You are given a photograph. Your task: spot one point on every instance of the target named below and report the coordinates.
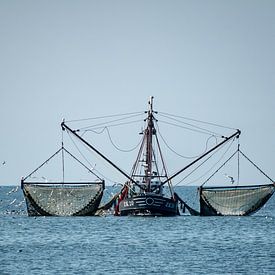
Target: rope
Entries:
(105, 123)
(182, 156)
(220, 167)
(257, 167)
(79, 149)
(201, 130)
(89, 161)
(190, 129)
(42, 164)
(102, 127)
(119, 149)
(238, 161)
(200, 121)
(90, 170)
(111, 140)
(63, 161)
(94, 118)
(164, 168)
(204, 162)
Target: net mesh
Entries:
(237, 201)
(62, 200)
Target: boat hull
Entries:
(149, 205)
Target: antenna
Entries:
(151, 104)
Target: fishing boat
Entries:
(148, 188)
(143, 194)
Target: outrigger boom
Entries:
(236, 134)
(64, 126)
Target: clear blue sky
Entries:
(210, 60)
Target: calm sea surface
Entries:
(135, 245)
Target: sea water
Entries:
(134, 245)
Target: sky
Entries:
(209, 60)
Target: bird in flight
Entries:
(231, 178)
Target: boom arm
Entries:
(64, 126)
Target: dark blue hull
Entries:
(149, 204)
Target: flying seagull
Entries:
(231, 178)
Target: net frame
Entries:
(62, 198)
(243, 202)
(88, 199)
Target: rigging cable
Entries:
(200, 129)
(102, 127)
(45, 162)
(238, 161)
(111, 140)
(135, 166)
(164, 166)
(63, 164)
(200, 121)
(94, 118)
(90, 170)
(186, 157)
(190, 129)
(106, 123)
(204, 162)
(257, 167)
(89, 161)
(220, 168)
(94, 131)
(85, 157)
(122, 150)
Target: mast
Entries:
(149, 143)
(148, 155)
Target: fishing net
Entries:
(62, 199)
(237, 201)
